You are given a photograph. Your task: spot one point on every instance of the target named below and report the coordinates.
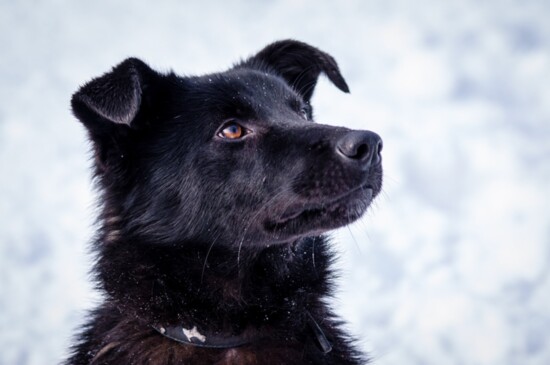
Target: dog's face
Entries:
(232, 157)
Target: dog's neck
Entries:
(216, 287)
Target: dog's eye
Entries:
(232, 130)
(305, 113)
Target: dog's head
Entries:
(232, 157)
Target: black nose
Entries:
(363, 147)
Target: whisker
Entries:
(206, 258)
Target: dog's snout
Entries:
(363, 147)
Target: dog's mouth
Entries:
(319, 217)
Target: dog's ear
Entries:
(299, 64)
(114, 97)
(109, 106)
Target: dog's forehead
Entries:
(257, 82)
(251, 87)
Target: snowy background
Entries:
(452, 264)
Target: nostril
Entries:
(377, 155)
(353, 150)
(361, 151)
(379, 147)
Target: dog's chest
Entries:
(237, 357)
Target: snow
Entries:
(451, 265)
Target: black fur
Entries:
(221, 234)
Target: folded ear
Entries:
(109, 105)
(299, 64)
(114, 96)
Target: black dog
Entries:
(215, 191)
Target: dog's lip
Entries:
(295, 212)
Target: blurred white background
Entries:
(451, 266)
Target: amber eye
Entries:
(232, 130)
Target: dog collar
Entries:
(192, 336)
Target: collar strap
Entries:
(194, 337)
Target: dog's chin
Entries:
(308, 219)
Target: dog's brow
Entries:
(295, 103)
